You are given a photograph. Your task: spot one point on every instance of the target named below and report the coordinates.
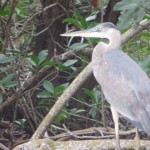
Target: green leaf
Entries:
(145, 62)
(80, 98)
(78, 46)
(3, 69)
(93, 112)
(21, 122)
(147, 4)
(126, 20)
(44, 94)
(61, 116)
(97, 94)
(5, 11)
(7, 79)
(7, 59)
(73, 110)
(81, 20)
(147, 16)
(42, 56)
(18, 122)
(125, 5)
(132, 12)
(34, 60)
(48, 62)
(48, 86)
(72, 21)
(76, 111)
(10, 84)
(15, 51)
(80, 110)
(146, 35)
(17, 10)
(78, 16)
(89, 93)
(139, 15)
(2, 56)
(59, 89)
(70, 62)
(60, 66)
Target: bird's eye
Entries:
(99, 29)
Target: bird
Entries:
(125, 85)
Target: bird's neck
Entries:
(114, 41)
(111, 41)
(103, 47)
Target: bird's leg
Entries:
(137, 139)
(116, 121)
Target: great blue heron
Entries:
(125, 85)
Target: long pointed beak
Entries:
(83, 33)
(86, 33)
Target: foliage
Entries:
(40, 59)
(50, 91)
(132, 12)
(78, 46)
(21, 123)
(8, 81)
(95, 96)
(20, 65)
(78, 20)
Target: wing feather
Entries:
(126, 86)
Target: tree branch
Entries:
(47, 144)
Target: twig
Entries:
(7, 26)
(41, 32)
(86, 137)
(3, 147)
(93, 130)
(86, 104)
(70, 54)
(32, 17)
(79, 116)
(58, 128)
(36, 14)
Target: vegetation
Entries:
(37, 64)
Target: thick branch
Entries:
(47, 144)
(131, 32)
(73, 87)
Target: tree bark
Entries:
(51, 19)
(47, 144)
(110, 14)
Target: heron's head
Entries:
(105, 30)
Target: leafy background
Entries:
(37, 65)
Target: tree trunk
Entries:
(51, 19)
(110, 14)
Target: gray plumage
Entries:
(125, 85)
